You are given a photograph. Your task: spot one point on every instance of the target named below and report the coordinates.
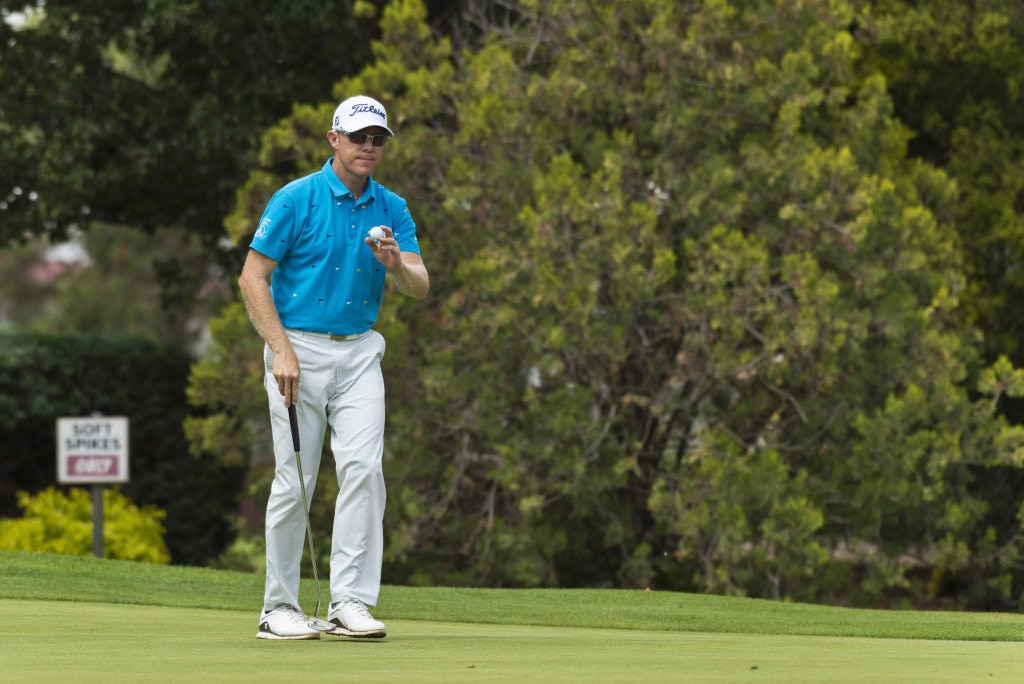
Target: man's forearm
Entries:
(259, 303)
(412, 280)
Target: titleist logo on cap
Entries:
(361, 107)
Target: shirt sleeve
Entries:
(276, 232)
(404, 227)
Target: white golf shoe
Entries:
(351, 618)
(285, 622)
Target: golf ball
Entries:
(376, 233)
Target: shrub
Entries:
(56, 522)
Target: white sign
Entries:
(92, 450)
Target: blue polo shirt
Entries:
(327, 279)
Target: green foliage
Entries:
(55, 522)
(228, 385)
(954, 73)
(955, 76)
(247, 553)
(697, 317)
(145, 114)
(44, 377)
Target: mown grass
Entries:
(76, 619)
(71, 578)
(46, 641)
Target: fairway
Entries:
(88, 642)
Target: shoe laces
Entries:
(357, 605)
(294, 614)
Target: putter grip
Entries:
(293, 419)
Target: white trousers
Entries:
(341, 389)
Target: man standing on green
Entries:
(312, 283)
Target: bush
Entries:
(56, 522)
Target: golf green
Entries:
(90, 642)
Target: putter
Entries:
(314, 622)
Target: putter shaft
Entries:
(315, 622)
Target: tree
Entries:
(954, 73)
(147, 114)
(955, 76)
(695, 319)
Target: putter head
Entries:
(319, 625)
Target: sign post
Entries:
(94, 451)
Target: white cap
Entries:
(359, 112)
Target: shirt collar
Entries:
(339, 189)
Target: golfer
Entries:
(312, 284)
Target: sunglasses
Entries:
(361, 138)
